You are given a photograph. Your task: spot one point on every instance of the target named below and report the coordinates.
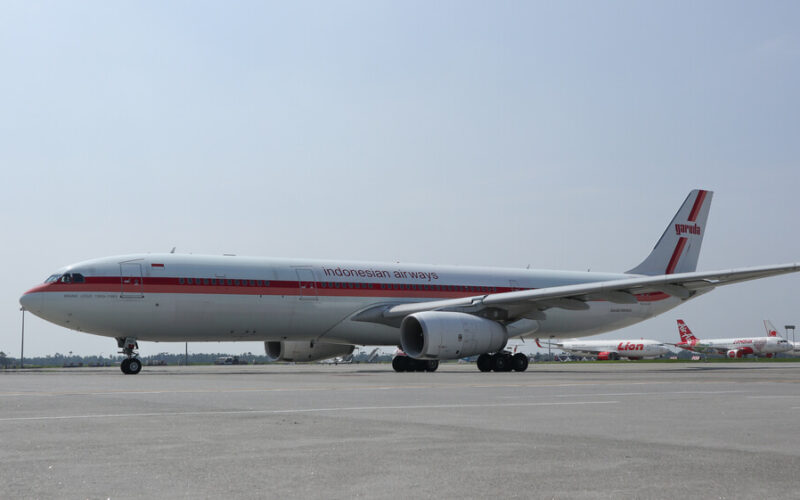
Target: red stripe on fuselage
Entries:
(102, 284)
(698, 203)
(676, 255)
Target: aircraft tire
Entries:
(485, 362)
(135, 366)
(501, 363)
(124, 366)
(400, 363)
(519, 362)
(432, 365)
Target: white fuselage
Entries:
(748, 345)
(170, 297)
(636, 349)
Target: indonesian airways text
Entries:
(380, 273)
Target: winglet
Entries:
(679, 247)
(537, 343)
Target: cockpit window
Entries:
(66, 278)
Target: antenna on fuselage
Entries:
(173, 250)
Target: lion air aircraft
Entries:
(307, 310)
(733, 348)
(611, 349)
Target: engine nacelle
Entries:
(304, 350)
(607, 356)
(735, 353)
(450, 335)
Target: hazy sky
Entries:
(557, 134)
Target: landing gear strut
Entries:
(503, 362)
(131, 365)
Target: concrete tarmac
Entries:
(571, 430)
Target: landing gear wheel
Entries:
(400, 363)
(502, 363)
(130, 365)
(485, 362)
(519, 362)
(135, 366)
(432, 365)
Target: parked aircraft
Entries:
(611, 349)
(313, 309)
(734, 347)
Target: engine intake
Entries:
(303, 350)
(450, 335)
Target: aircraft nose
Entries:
(31, 301)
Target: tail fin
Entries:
(684, 332)
(679, 247)
(771, 331)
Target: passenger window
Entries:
(229, 282)
(180, 281)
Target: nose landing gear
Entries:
(131, 365)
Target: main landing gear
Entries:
(503, 362)
(130, 365)
(407, 364)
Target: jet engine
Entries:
(739, 353)
(606, 356)
(303, 350)
(450, 335)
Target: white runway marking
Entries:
(665, 393)
(308, 410)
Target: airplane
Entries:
(605, 350)
(317, 309)
(773, 332)
(765, 347)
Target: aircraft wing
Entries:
(510, 306)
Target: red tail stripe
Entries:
(698, 203)
(676, 255)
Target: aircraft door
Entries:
(131, 280)
(307, 282)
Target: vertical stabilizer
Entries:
(771, 331)
(679, 247)
(685, 333)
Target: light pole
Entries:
(789, 327)
(187, 354)
(22, 344)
